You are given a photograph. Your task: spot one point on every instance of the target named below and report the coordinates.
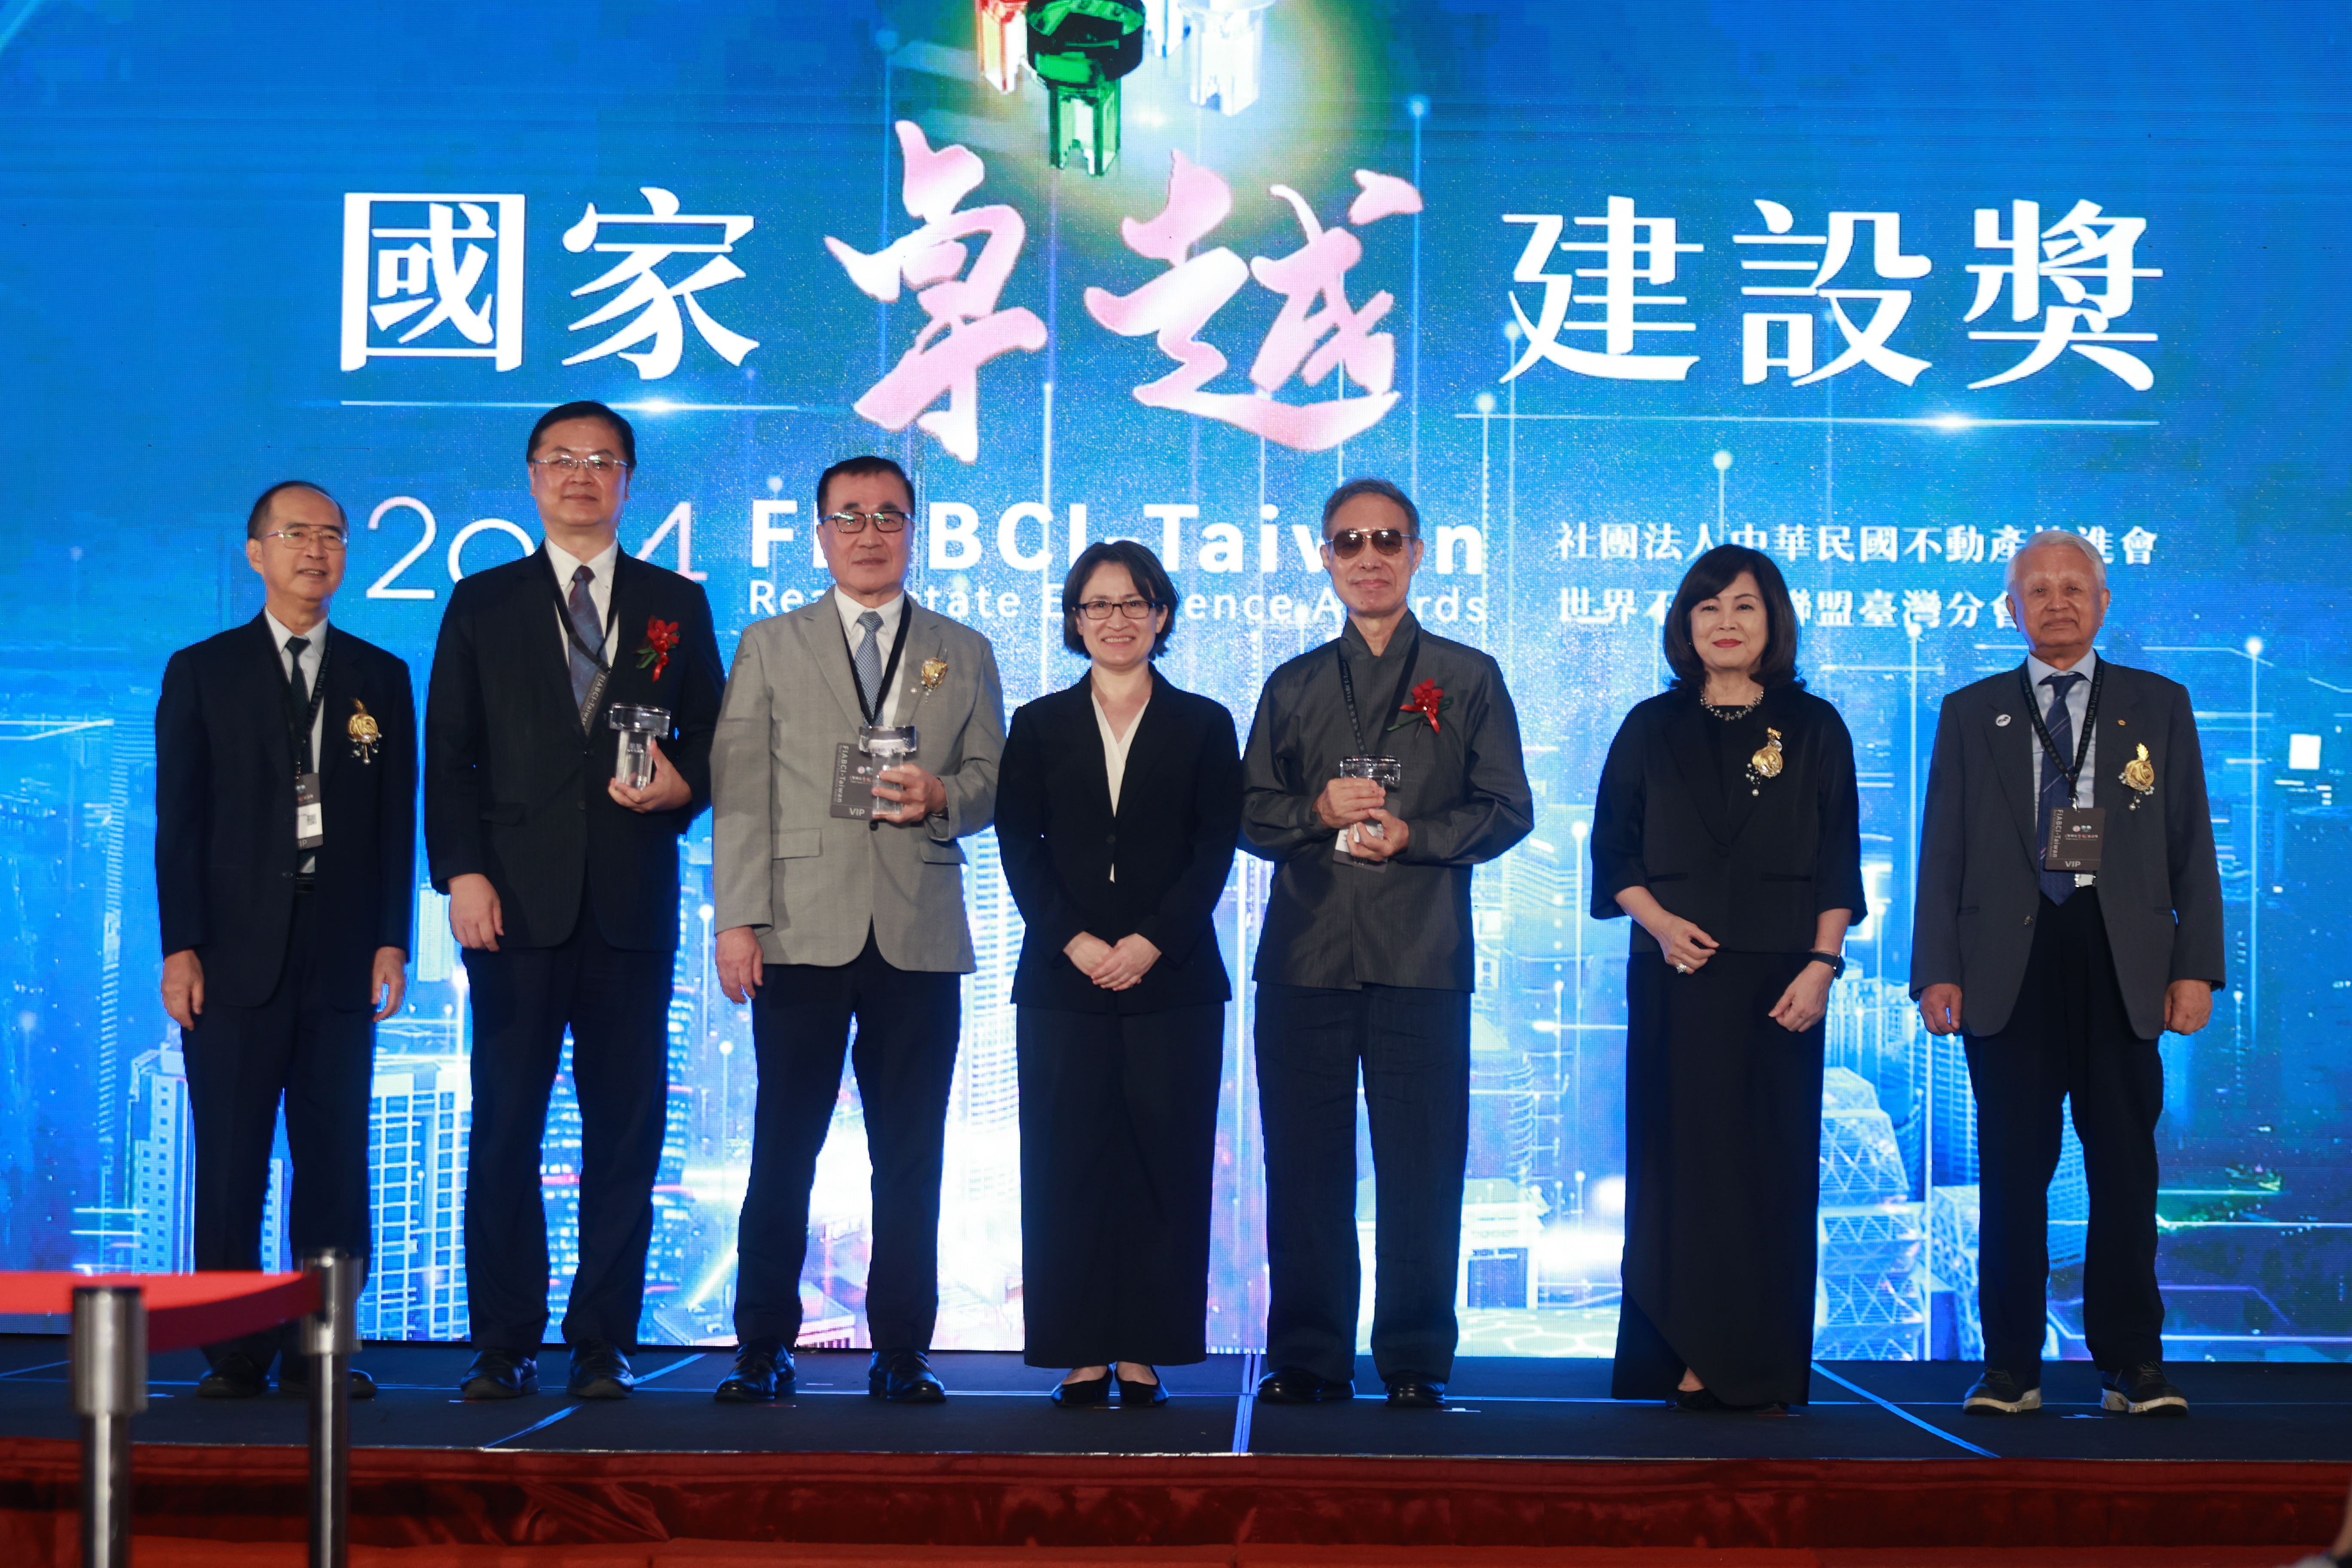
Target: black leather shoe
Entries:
(1088, 1391)
(599, 1371)
(1141, 1396)
(1999, 1392)
(235, 1376)
(500, 1375)
(763, 1371)
(903, 1377)
(1698, 1401)
(294, 1379)
(2138, 1391)
(1416, 1391)
(1296, 1385)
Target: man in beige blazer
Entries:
(841, 896)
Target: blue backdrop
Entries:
(1879, 290)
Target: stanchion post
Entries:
(109, 1386)
(329, 1339)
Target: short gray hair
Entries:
(2057, 536)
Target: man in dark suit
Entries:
(2061, 946)
(1367, 957)
(285, 852)
(563, 888)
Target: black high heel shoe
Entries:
(1139, 1394)
(1092, 1391)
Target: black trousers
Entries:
(1413, 1046)
(2070, 1037)
(240, 1061)
(907, 1022)
(1118, 1136)
(616, 1004)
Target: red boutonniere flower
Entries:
(1428, 700)
(660, 637)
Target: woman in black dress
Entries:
(1118, 806)
(1727, 827)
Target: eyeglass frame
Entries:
(596, 463)
(1146, 608)
(301, 535)
(1371, 536)
(840, 523)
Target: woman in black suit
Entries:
(1727, 827)
(1117, 810)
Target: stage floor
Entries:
(1503, 1409)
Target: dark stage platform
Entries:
(1533, 1453)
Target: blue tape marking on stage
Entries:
(665, 1372)
(1251, 1364)
(539, 1425)
(45, 1366)
(1897, 1410)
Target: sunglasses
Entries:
(1349, 543)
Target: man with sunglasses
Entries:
(840, 895)
(1366, 957)
(285, 847)
(563, 889)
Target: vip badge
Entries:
(365, 733)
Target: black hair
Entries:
(1370, 487)
(584, 410)
(260, 512)
(849, 468)
(1143, 568)
(1709, 575)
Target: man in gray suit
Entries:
(841, 896)
(2061, 942)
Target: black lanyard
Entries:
(302, 737)
(2042, 728)
(1396, 700)
(588, 704)
(871, 712)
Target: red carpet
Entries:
(620, 1511)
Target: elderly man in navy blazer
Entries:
(285, 856)
(2069, 912)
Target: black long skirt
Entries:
(1723, 1134)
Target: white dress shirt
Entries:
(849, 610)
(1115, 748)
(2078, 708)
(599, 592)
(312, 657)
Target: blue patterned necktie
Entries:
(868, 661)
(582, 605)
(2058, 886)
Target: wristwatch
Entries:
(1836, 961)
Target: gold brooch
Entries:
(934, 671)
(1766, 763)
(2139, 774)
(365, 733)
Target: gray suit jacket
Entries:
(809, 882)
(2160, 888)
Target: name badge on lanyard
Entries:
(309, 812)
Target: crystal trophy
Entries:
(633, 766)
(1079, 49)
(1386, 771)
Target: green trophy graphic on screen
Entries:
(1080, 48)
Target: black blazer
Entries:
(1180, 806)
(225, 851)
(513, 788)
(2160, 887)
(1753, 871)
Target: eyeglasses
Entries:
(1349, 543)
(888, 520)
(596, 463)
(301, 536)
(1100, 609)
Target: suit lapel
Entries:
(2121, 730)
(1694, 762)
(925, 641)
(545, 646)
(2010, 746)
(335, 710)
(268, 682)
(821, 639)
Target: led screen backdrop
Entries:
(1877, 290)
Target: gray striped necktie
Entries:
(868, 661)
(2058, 886)
(583, 620)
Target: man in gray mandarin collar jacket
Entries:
(824, 917)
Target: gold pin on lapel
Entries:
(365, 732)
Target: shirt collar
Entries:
(279, 631)
(566, 564)
(2036, 672)
(850, 609)
(1353, 639)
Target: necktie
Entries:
(584, 619)
(2057, 886)
(868, 661)
(297, 703)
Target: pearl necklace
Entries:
(1729, 715)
